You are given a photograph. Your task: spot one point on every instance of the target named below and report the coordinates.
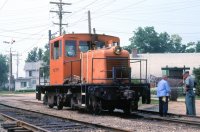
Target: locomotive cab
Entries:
(93, 72)
(66, 53)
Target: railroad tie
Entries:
(9, 125)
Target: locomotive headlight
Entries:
(117, 50)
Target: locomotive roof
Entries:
(77, 34)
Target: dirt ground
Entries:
(174, 107)
(28, 101)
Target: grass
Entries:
(2, 92)
(153, 101)
(196, 97)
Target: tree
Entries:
(148, 40)
(198, 46)
(176, 45)
(164, 41)
(145, 40)
(35, 55)
(46, 54)
(46, 57)
(128, 48)
(3, 70)
(190, 47)
(196, 72)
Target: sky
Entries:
(28, 21)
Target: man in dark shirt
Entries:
(190, 96)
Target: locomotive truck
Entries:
(92, 71)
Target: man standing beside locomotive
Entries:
(163, 92)
(190, 96)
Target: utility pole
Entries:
(17, 65)
(17, 55)
(10, 70)
(89, 23)
(49, 36)
(10, 64)
(60, 13)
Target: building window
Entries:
(23, 84)
(33, 81)
(30, 73)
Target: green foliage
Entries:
(198, 46)
(147, 40)
(176, 46)
(35, 55)
(39, 54)
(45, 59)
(196, 72)
(4, 92)
(25, 91)
(3, 70)
(128, 48)
(46, 54)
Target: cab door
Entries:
(56, 63)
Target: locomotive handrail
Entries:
(43, 75)
(134, 61)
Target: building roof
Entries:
(156, 61)
(32, 65)
(22, 79)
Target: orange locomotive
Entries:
(93, 72)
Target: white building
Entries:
(31, 78)
(156, 61)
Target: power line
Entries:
(130, 5)
(82, 8)
(81, 20)
(31, 27)
(3, 4)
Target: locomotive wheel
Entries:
(111, 109)
(95, 105)
(135, 107)
(59, 103)
(128, 108)
(45, 99)
(72, 104)
(51, 105)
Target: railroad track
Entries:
(33, 121)
(140, 114)
(176, 118)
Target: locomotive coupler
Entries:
(128, 94)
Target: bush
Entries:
(196, 72)
(3, 89)
(25, 91)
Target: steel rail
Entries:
(169, 118)
(75, 120)
(170, 114)
(24, 124)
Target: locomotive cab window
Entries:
(70, 48)
(84, 46)
(55, 50)
(100, 44)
